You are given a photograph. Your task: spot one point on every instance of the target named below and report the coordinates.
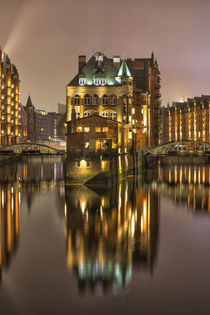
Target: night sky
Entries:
(43, 38)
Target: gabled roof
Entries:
(92, 69)
(124, 71)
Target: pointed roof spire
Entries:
(29, 102)
(124, 71)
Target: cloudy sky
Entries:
(44, 37)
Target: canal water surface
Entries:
(142, 247)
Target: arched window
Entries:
(105, 114)
(86, 99)
(76, 99)
(86, 114)
(110, 114)
(89, 113)
(104, 100)
(113, 100)
(95, 99)
(113, 115)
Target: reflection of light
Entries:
(189, 175)
(19, 197)
(199, 175)
(102, 201)
(203, 175)
(82, 206)
(65, 210)
(195, 176)
(133, 224)
(142, 224)
(169, 176)
(2, 198)
(175, 174)
(12, 204)
(101, 213)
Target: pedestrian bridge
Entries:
(31, 148)
(180, 148)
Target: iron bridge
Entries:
(30, 148)
(180, 148)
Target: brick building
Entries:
(186, 121)
(126, 91)
(9, 101)
(96, 133)
(41, 125)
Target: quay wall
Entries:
(101, 168)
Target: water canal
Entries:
(142, 247)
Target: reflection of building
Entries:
(9, 223)
(9, 101)
(188, 184)
(126, 91)
(110, 234)
(20, 183)
(186, 121)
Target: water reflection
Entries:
(183, 184)
(110, 233)
(9, 223)
(20, 183)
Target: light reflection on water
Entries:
(111, 235)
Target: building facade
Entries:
(186, 121)
(41, 125)
(9, 101)
(126, 91)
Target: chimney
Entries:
(81, 62)
(116, 61)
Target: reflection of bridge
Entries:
(185, 147)
(32, 148)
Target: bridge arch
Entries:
(180, 147)
(30, 147)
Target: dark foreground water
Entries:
(141, 248)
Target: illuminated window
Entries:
(86, 99)
(86, 114)
(105, 129)
(82, 164)
(42, 129)
(99, 81)
(113, 116)
(105, 114)
(77, 100)
(97, 129)
(82, 81)
(86, 129)
(79, 129)
(77, 115)
(104, 100)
